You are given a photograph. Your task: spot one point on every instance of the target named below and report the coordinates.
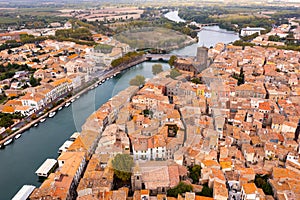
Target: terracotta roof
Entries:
(249, 188)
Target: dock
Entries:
(24, 192)
(46, 168)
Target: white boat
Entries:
(107, 78)
(52, 114)
(111, 76)
(8, 142)
(42, 120)
(36, 124)
(60, 108)
(96, 85)
(78, 97)
(72, 100)
(103, 81)
(67, 104)
(18, 136)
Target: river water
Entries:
(20, 160)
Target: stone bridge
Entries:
(162, 57)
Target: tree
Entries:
(174, 73)
(6, 121)
(274, 38)
(194, 173)
(33, 81)
(179, 189)
(138, 80)
(172, 60)
(262, 182)
(206, 191)
(122, 164)
(157, 68)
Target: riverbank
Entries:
(90, 86)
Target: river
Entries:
(21, 159)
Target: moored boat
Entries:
(18, 136)
(43, 119)
(78, 97)
(52, 114)
(60, 108)
(36, 124)
(67, 104)
(8, 142)
(72, 100)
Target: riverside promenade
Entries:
(108, 74)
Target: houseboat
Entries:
(46, 168)
(24, 192)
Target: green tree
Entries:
(179, 189)
(172, 60)
(262, 182)
(174, 73)
(274, 38)
(194, 173)
(33, 81)
(157, 68)
(6, 121)
(206, 191)
(122, 164)
(196, 81)
(138, 80)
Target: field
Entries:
(152, 37)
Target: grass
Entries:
(233, 17)
(151, 37)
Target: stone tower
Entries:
(136, 178)
(202, 55)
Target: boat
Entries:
(103, 81)
(60, 108)
(36, 124)
(96, 85)
(67, 104)
(52, 114)
(18, 136)
(7, 142)
(72, 100)
(107, 78)
(78, 97)
(111, 76)
(43, 119)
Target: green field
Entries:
(152, 37)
